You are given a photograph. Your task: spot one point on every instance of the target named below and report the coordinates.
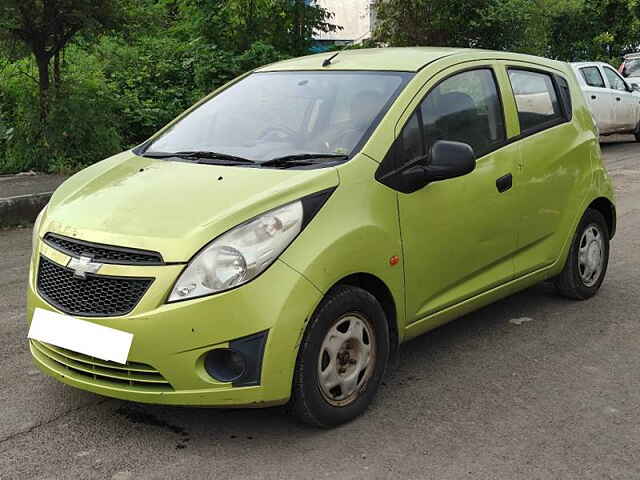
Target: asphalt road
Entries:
(489, 396)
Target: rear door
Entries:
(626, 102)
(553, 155)
(600, 99)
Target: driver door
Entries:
(459, 235)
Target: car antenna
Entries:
(327, 61)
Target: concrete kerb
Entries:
(22, 209)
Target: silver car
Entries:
(614, 102)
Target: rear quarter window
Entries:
(565, 97)
(536, 100)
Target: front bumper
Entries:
(170, 340)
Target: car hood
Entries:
(168, 206)
(633, 79)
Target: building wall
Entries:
(355, 16)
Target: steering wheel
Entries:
(288, 132)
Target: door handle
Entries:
(618, 99)
(504, 183)
(593, 97)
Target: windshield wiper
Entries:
(301, 159)
(200, 156)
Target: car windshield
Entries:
(632, 67)
(278, 114)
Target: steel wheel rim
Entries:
(591, 255)
(346, 360)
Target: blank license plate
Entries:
(80, 336)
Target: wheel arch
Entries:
(376, 287)
(608, 211)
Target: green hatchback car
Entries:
(278, 241)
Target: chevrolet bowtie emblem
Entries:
(83, 265)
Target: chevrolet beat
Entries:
(277, 242)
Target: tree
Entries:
(563, 29)
(496, 24)
(45, 27)
(235, 25)
(301, 20)
(593, 29)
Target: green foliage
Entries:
(80, 129)
(127, 67)
(235, 25)
(112, 72)
(151, 82)
(215, 67)
(567, 30)
(594, 29)
(496, 24)
(507, 24)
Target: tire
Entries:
(334, 348)
(579, 279)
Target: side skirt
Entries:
(474, 303)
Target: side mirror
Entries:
(450, 160)
(635, 87)
(447, 160)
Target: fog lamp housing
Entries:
(240, 364)
(225, 365)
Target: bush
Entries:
(111, 97)
(81, 126)
(152, 82)
(215, 67)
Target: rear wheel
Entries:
(588, 258)
(342, 358)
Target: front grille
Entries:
(102, 253)
(95, 296)
(132, 375)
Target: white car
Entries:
(630, 68)
(614, 103)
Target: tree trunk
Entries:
(44, 83)
(300, 26)
(250, 24)
(56, 70)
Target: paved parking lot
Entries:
(533, 387)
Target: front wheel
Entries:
(588, 258)
(342, 358)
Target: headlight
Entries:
(36, 227)
(241, 254)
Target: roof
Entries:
(407, 59)
(587, 64)
(410, 59)
(578, 65)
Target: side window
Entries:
(593, 77)
(536, 99)
(464, 108)
(614, 80)
(565, 95)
